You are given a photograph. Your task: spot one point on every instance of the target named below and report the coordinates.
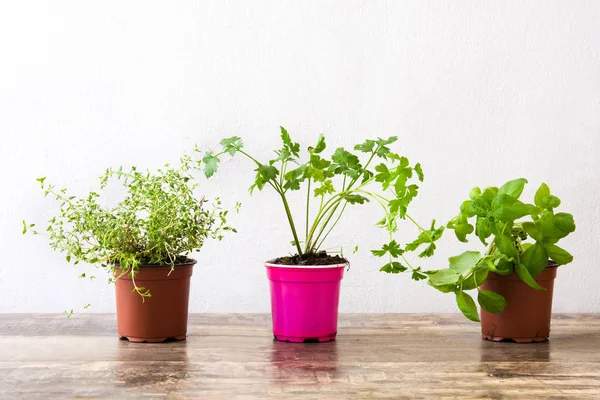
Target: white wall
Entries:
(479, 92)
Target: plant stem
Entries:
(307, 208)
(332, 226)
(291, 221)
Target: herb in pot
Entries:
(334, 183)
(495, 215)
(159, 222)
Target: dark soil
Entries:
(179, 260)
(320, 258)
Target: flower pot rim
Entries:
(271, 264)
(190, 263)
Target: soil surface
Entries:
(320, 258)
(179, 260)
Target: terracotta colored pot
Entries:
(526, 317)
(160, 317)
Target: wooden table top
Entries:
(47, 356)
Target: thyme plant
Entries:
(523, 246)
(160, 221)
(334, 183)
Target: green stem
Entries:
(332, 226)
(307, 208)
(291, 221)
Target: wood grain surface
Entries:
(228, 356)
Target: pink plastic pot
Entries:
(304, 301)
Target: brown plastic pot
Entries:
(160, 317)
(527, 315)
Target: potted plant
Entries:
(514, 278)
(144, 243)
(305, 286)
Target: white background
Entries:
(479, 92)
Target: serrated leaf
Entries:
(393, 248)
(419, 172)
(366, 147)
(211, 163)
(320, 146)
(232, 145)
(393, 267)
(356, 199)
(326, 187)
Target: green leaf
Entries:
(291, 147)
(320, 145)
(513, 188)
(564, 222)
(483, 229)
(558, 255)
(491, 302)
(232, 145)
(295, 177)
(366, 147)
(417, 275)
(535, 258)
(211, 163)
(476, 279)
(24, 227)
(419, 172)
(479, 206)
(507, 208)
(465, 261)
(326, 187)
(41, 181)
(506, 245)
(428, 251)
(393, 248)
(475, 192)
(268, 172)
(534, 230)
(393, 267)
(526, 277)
(501, 266)
(345, 163)
(463, 229)
(467, 306)
(355, 199)
(443, 277)
(383, 175)
(551, 202)
(540, 194)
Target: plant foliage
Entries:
(372, 172)
(495, 216)
(159, 222)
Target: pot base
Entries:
(293, 339)
(516, 340)
(152, 340)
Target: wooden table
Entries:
(46, 356)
